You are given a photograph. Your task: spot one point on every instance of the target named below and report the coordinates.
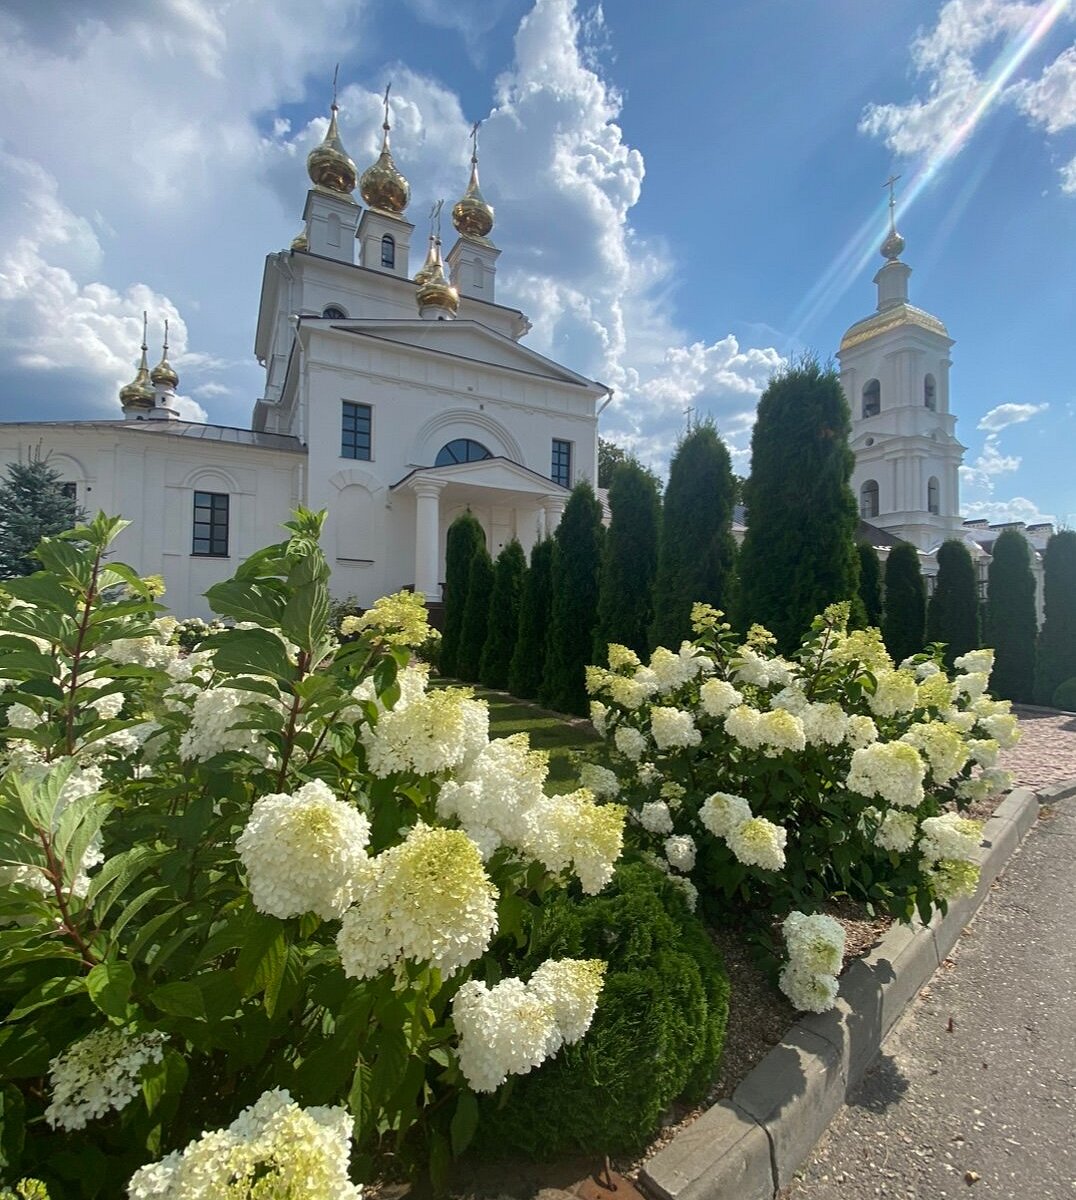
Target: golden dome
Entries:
(892, 246)
(164, 373)
(138, 393)
(471, 214)
(328, 164)
(429, 267)
(382, 185)
(435, 291)
(895, 317)
(300, 241)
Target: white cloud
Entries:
(1019, 508)
(1051, 99)
(1003, 415)
(990, 463)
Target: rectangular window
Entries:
(355, 431)
(210, 524)
(562, 463)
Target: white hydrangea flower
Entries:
(599, 780)
(718, 697)
(741, 724)
(721, 813)
(952, 879)
(431, 733)
(1003, 728)
(673, 728)
(670, 670)
(808, 991)
(893, 771)
(896, 692)
(758, 843)
(792, 699)
(815, 942)
(304, 852)
(951, 837)
(214, 716)
(571, 831)
(630, 742)
(691, 892)
(505, 1030)
(149, 651)
(973, 685)
(274, 1149)
(620, 657)
(779, 731)
(628, 693)
(976, 662)
(426, 900)
(750, 667)
(984, 751)
(599, 714)
(655, 817)
(21, 716)
(941, 745)
(99, 1073)
(897, 831)
(571, 987)
(935, 692)
(962, 722)
(824, 724)
(648, 774)
(680, 852)
(861, 732)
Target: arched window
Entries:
(334, 312)
(872, 398)
(388, 251)
(868, 500)
(930, 393)
(461, 450)
(933, 496)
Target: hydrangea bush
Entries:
(262, 884)
(771, 784)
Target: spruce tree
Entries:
(1011, 622)
(465, 538)
(503, 625)
(1056, 658)
(475, 616)
(870, 584)
(33, 505)
(528, 658)
(629, 560)
(575, 603)
(953, 611)
(799, 554)
(904, 622)
(697, 556)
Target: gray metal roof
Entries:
(229, 434)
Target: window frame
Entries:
(459, 462)
(871, 490)
(388, 242)
(354, 409)
(934, 496)
(876, 397)
(564, 448)
(213, 537)
(333, 312)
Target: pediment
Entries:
(499, 473)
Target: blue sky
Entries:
(685, 193)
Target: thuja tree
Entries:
(1011, 623)
(1056, 660)
(33, 505)
(870, 584)
(575, 602)
(697, 556)
(953, 611)
(528, 658)
(465, 539)
(503, 625)
(799, 553)
(629, 560)
(475, 616)
(905, 619)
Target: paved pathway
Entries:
(975, 1092)
(1046, 751)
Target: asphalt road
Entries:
(974, 1094)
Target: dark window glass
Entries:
(462, 450)
(562, 463)
(334, 312)
(70, 490)
(388, 251)
(355, 431)
(930, 393)
(210, 524)
(868, 500)
(872, 398)
(933, 492)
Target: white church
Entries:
(397, 400)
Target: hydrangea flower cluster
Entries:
(273, 1150)
(512, 1027)
(426, 732)
(949, 847)
(100, 1073)
(396, 620)
(815, 946)
(217, 717)
(755, 841)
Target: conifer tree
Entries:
(904, 622)
(475, 616)
(953, 611)
(528, 659)
(33, 505)
(575, 603)
(870, 584)
(1056, 659)
(799, 553)
(465, 538)
(1011, 621)
(697, 556)
(629, 560)
(503, 625)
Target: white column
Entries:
(427, 538)
(554, 510)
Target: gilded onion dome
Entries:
(164, 373)
(328, 164)
(300, 241)
(471, 214)
(382, 185)
(138, 393)
(435, 291)
(893, 245)
(429, 267)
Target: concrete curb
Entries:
(750, 1146)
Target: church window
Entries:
(70, 490)
(933, 492)
(461, 450)
(335, 313)
(562, 463)
(872, 398)
(930, 393)
(868, 500)
(210, 525)
(355, 431)
(388, 251)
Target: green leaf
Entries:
(306, 613)
(251, 651)
(284, 985)
(122, 870)
(358, 1099)
(179, 999)
(262, 955)
(245, 600)
(12, 1127)
(163, 1083)
(464, 1122)
(109, 985)
(49, 991)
